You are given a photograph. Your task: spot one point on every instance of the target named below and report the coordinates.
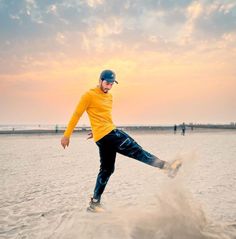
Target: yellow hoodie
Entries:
(98, 106)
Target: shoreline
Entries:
(140, 129)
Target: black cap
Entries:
(109, 76)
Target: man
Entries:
(175, 129)
(97, 103)
(183, 129)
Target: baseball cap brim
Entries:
(111, 81)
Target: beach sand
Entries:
(45, 189)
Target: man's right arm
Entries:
(80, 108)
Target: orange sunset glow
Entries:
(175, 62)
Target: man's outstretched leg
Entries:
(129, 147)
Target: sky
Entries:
(175, 60)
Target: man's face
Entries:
(105, 86)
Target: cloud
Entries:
(110, 27)
(214, 20)
(52, 9)
(193, 12)
(60, 38)
(77, 28)
(15, 17)
(94, 3)
(32, 10)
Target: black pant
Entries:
(109, 145)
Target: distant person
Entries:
(183, 128)
(97, 102)
(175, 129)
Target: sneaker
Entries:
(172, 168)
(95, 205)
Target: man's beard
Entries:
(105, 90)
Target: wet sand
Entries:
(45, 190)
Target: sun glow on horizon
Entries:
(174, 62)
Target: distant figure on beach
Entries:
(175, 129)
(183, 128)
(97, 102)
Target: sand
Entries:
(45, 189)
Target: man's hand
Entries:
(65, 141)
(90, 135)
